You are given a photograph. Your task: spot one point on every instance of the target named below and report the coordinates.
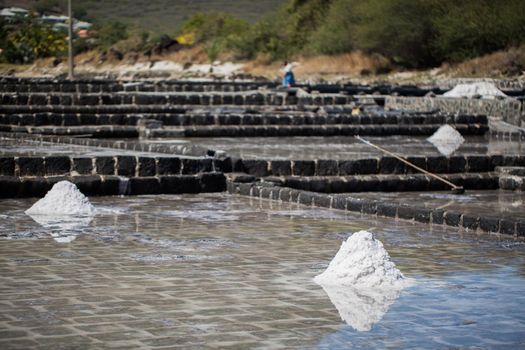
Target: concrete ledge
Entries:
(372, 207)
(98, 185)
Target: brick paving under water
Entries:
(219, 271)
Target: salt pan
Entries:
(63, 199)
(484, 89)
(447, 140)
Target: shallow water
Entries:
(219, 271)
(341, 147)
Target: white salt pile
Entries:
(447, 140)
(362, 261)
(63, 199)
(483, 89)
(361, 281)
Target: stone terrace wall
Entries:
(509, 110)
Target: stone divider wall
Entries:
(128, 166)
(107, 185)
(201, 99)
(487, 223)
(509, 110)
(274, 118)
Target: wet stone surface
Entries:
(219, 271)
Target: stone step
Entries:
(390, 183)
(379, 165)
(309, 130)
(97, 131)
(265, 118)
(511, 178)
(130, 166)
(97, 185)
(406, 211)
(201, 99)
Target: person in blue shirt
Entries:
(288, 79)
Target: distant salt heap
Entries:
(447, 140)
(480, 89)
(63, 199)
(361, 281)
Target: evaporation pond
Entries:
(219, 271)
(347, 147)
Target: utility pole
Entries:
(71, 74)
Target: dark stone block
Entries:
(7, 166)
(437, 216)
(339, 202)
(318, 185)
(354, 204)
(520, 228)
(34, 187)
(194, 166)
(452, 219)
(180, 184)
(285, 194)
(31, 166)
(507, 227)
(9, 186)
(258, 168)
(322, 200)
(326, 167)
(437, 164)
(306, 198)
(422, 215)
(391, 165)
(337, 185)
(168, 166)
(387, 209)
(457, 164)
(126, 165)
(57, 165)
(476, 164)
(88, 185)
(303, 167)
(144, 185)
(147, 166)
(245, 188)
(369, 207)
(358, 167)
(489, 224)
(83, 166)
(111, 185)
(281, 167)
(470, 222)
(419, 161)
(105, 165)
(495, 161)
(407, 213)
(212, 182)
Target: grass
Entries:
(163, 16)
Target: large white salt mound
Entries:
(361, 262)
(447, 140)
(63, 199)
(361, 281)
(484, 89)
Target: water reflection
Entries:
(63, 228)
(361, 308)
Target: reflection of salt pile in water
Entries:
(63, 208)
(447, 140)
(361, 281)
(480, 89)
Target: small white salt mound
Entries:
(447, 140)
(63, 199)
(484, 89)
(361, 262)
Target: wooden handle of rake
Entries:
(458, 189)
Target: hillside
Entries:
(162, 16)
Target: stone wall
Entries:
(509, 110)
